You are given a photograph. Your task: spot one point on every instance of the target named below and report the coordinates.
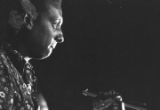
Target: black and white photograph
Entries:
(79, 54)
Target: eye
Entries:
(56, 24)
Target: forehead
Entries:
(54, 11)
(42, 4)
(50, 6)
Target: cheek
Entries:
(48, 34)
(48, 29)
(41, 33)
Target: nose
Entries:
(59, 38)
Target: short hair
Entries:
(27, 6)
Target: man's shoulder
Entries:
(2, 65)
(3, 60)
(4, 81)
(4, 76)
(2, 55)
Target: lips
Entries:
(52, 44)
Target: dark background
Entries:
(108, 45)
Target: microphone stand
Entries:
(133, 106)
(124, 105)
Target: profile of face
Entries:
(40, 40)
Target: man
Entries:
(29, 29)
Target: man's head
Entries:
(34, 26)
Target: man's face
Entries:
(45, 34)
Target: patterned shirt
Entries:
(17, 91)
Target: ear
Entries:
(28, 21)
(15, 20)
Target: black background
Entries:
(108, 45)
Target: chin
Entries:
(46, 55)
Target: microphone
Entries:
(115, 96)
(86, 93)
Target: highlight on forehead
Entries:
(56, 3)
